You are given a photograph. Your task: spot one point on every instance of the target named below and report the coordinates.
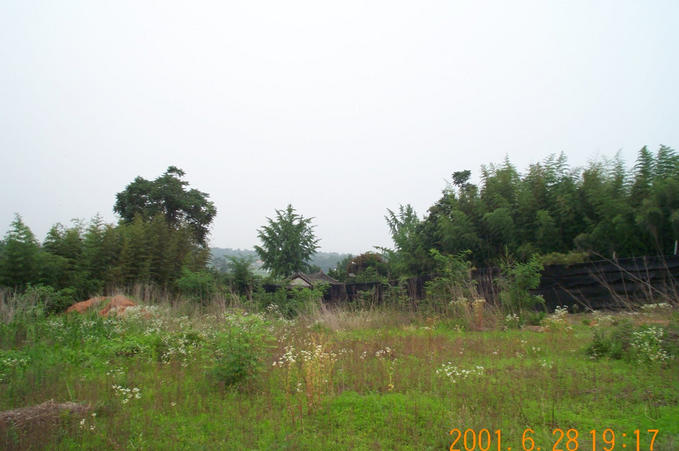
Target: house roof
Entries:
(320, 276)
(314, 278)
(302, 276)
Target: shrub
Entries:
(643, 345)
(240, 349)
(199, 286)
(517, 281)
(557, 320)
(292, 302)
(512, 321)
(567, 259)
(43, 299)
(647, 345)
(532, 318)
(454, 280)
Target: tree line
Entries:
(561, 213)
(160, 237)
(552, 210)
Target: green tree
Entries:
(288, 242)
(644, 172)
(339, 272)
(499, 227)
(241, 275)
(167, 195)
(410, 256)
(199, 286)
(546, 233)
(62, 262)
(667, 163)
(20, 256)
(456, 233)
(100, 250)
(134, 261)
(518, 279)
(368, 267)
(453, 279)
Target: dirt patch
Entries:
(117, 305)
(82, 307)
(47, 413)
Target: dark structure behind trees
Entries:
(603, 284)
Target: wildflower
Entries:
(454, 373)
(647, 345)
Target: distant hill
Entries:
(220, 256)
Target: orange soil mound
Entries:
(81, 307)
(117, 305)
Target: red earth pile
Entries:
(117, 305)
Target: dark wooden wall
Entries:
(605, 284)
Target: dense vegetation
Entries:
(211, 360)
(602, 209)
(561, 213)
(160, 239)
(164, 377)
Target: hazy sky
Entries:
(343, 108)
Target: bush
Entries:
(647, 345)
(517, 281)
(643, 345)
(46, 298)
(454, 280)
(199, 286)
(240, 349)
(292, 302)
(531, 318)
(567, 259)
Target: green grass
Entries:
(333, 380)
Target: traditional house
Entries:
(313, 280)
(301, 279)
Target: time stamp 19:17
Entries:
(562, 440)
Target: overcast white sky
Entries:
(343, 108)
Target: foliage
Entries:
(240, 349)
(339, 271)
(19, 257)
(645, 345)
(453, 280)
(566, 259)
(157, 379)
(288, 242)
(242, 278)
(517, 281)
(408, 258)
(550, 209)
(367, 267)
(167, 196)
(53, 301)
(292, 302)
(200, 285)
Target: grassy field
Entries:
(160, 378)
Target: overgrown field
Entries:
(158, 378)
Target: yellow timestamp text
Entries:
(562, 440)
